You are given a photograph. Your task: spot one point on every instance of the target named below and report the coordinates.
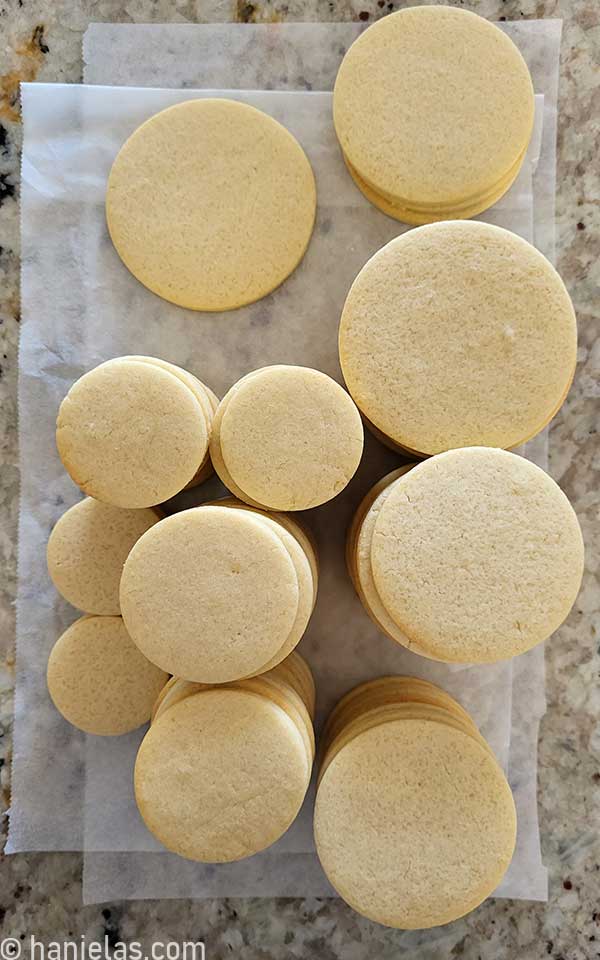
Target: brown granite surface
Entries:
(41, 894)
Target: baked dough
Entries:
(476, 555)
(287, 438)
(458, 334)
(414, 821)
(210, 594)
(87, 549)
(98, 679)
(433, 108)
(211, 204)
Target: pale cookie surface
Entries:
(477, 555)
(433, 105)
(211, 204)
(290, 437)
(131, 434)
(87, 549)
(221, 775)
(414, 823)
(456, 334)
(210, 594)
(98, 679)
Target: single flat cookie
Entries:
(290, 438)
(131, 433)
(477, 555)
(210, 594)
(211, 204)
(458, 334)
(98, 679)
(221, 775)
(433, 106)
(414, 823)
(87, 549)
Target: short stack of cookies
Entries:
(134, 431)
(286, 438)
(433, 108)
(471, 556)
(220, 591)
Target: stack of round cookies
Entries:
(286, 438)
(223, 771)
(220, 591)
(433, 108)
(471, 556)
(134, 431)
(457, 334)
(414, 821)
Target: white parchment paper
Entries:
(80, 306)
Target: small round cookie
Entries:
(290, 438)
(87, 549)
(428, 137)
(477, 555)
(131, 434)
(211, 204)
(210, 594)
(221, 775)
(414, 822)
(458, 334)
(98, 679)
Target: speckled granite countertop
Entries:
(41, 894)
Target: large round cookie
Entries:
(211, 204)
(477, 555)
(433, 106)
(456, 334)
(414, 822)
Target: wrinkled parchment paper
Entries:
(81, 306)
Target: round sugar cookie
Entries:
(87, 549)
(477, 555)
(211, 204)
(414, 823)
(458, 334)
(210, 594)
(131, 434)
(98, 679)
(290, 438)
(221, 775)
(433, 106)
